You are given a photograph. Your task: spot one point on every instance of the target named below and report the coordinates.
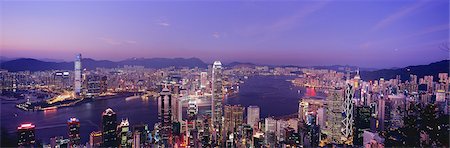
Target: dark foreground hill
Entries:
(420, 70)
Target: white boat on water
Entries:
(132, 98)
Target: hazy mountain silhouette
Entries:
(28, 64)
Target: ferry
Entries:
(132, 98)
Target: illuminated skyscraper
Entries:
(109, 125)
(253, 116)
(302, 109)
(192, 109)
(192, 131)
(142, 132)
(357, 79)
(165, 106)
(25, 135)
(95, 139)
(125, 133)
(77, 86)
(347, 112)
(381, 113)
(92, 85)
(270, 130)
(233, 117)
(333, 108)
(217, 96)
(176, 103)
(203, 79)
(74, 132)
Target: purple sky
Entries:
(379, 34)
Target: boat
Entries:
(132, 98)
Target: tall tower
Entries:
(347, 112)
(233, 118)
(333, 108)
(77, 87)
(217, 96)
(165, 101)
(74, 132)
(109, 126)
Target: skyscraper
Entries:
(74, 132)
(77, 86)
(109, 125)
(270, 130)
(233, 117)
(95, 139)
(142, 132)
(302, 109)
(347, 112)
(25, 135)
(216, 107)
(253, 116)
(165, 102)
(333, 108)
(125, 133)
(203, 79)
(362, 123)
(92, 85)
(381, 113)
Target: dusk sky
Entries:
(376, 34)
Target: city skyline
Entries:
(368, 34)
(235, 74)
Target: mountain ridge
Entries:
(29, 64)
(432, 69)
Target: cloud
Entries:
(162, 22)
(285, 23)
(426, 31)
(291, 21)
(131, 42)
(111, 41)
(399, 14)
(443, 27)
(216, 35)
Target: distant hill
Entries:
(27, 64)
(421, 70)
(164, 62)
(342, 68)
(240, 64)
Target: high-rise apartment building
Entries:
(233, 117)
(253, 116)
(233, 120)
